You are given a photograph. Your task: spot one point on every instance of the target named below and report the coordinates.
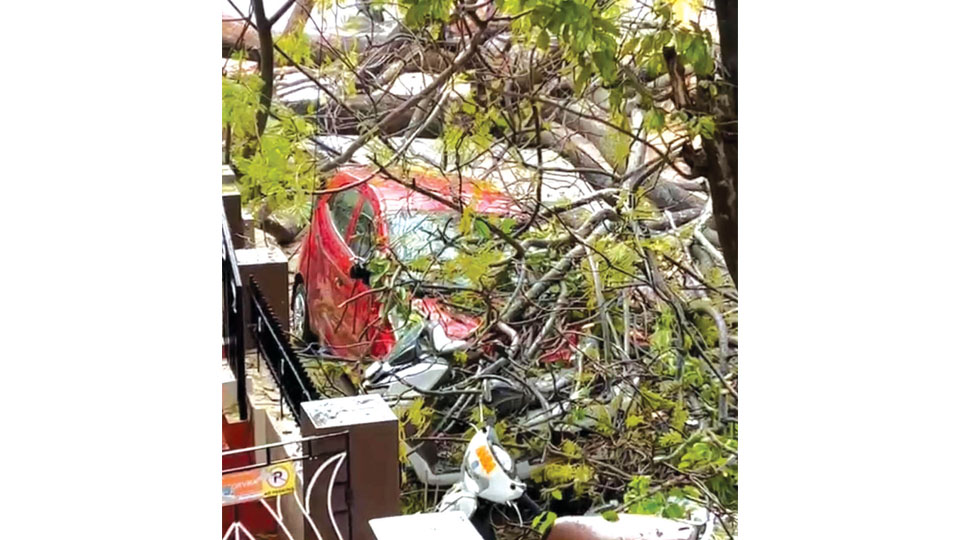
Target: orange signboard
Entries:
(255, 484)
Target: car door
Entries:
(361, 312)
(329, 285)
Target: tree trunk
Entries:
(266, 63)
(718, 159)
(722, 150)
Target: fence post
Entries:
(372, 469)
(233, 304)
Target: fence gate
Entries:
(255, 482)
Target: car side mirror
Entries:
(359, 271)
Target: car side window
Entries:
(363, 235)
(341, 207)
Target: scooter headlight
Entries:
(441, 342)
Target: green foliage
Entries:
(661, 341)
(555, 475)
(475, 267)
(670, 439)
(419, 13)
(468, 129)
(280, 172)
(412, 503)
(571, 449)
(276, 169)
(694, 48)
(417, 414)
(379, 266)
(543, 521)
(240, 101)
(296, 45)
(653, 120)
(478, 414)
(587, 30)
(641, 499)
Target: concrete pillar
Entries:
(372, 468)
(269, 267)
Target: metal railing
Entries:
(282, 361)
(233, 317)
(316, 455)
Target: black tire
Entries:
(302, 329)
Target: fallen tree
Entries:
(644, 415)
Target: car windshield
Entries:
(415, 235)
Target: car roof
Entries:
(483, 197)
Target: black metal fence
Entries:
(233, 317)
(283, 363)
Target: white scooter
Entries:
(488, 477)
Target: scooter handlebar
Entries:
(527, 503)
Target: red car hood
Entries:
(456, 325)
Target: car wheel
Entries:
(300, 316)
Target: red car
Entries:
(331, 301)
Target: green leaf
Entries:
(679, 418)
(420, 13)
(682, 41)
(673, 511)
(657, 65)
(543, 40)
(698, 55)
(571, 449)
(466, 220)
(607, 65)
(297, 47)
(473, 267)
(611, 515)
(670, 439)
(543, 522)
(653, 120)
(638, 487)
(652, 505)
(707, 127)
(582, 79)
(482, 230)
(606, 25)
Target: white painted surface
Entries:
(348, 411)
(442, 526)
